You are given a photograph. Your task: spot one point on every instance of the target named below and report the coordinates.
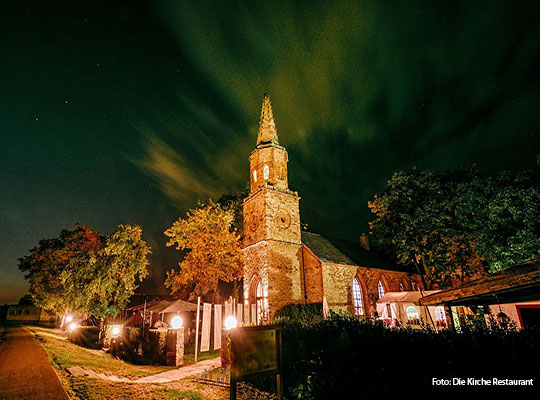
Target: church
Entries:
(285, 265)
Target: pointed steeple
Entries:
(267, 126)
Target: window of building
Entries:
(357, 297)
(266, 172)
(380, 288)
(413, 315)
(11, 312)
(260, 303)
(440, 317)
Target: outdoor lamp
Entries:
(116, 331)
(177, 322)
(72, 326)
(69, 318)
(230, 323)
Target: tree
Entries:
(504, 212)
(101, 283)
(46, 262)
(26, 300)
(415, 218)
(214, 249)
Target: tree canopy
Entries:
(83, 271)
(453, 225)
(213, 247)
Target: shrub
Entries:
(360, 358)
(86, 336)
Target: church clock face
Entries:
(283, 219)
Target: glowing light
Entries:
(116, 331)
(72, 326)
(230, 322)
(177, 322)
(69, 318)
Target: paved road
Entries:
(25, 371)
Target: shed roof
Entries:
(514, 284)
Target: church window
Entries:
(401, 287)
(380, 289)
(357, 298)
(266, 172)
(255, 176)
(413, 315)
(260, 302)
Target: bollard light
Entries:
(177, 322)
(72, 326)
(230, 322)
(69, 318)
(116, 330)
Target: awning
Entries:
(405, 297)
(511, 285)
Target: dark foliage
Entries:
(344, 357)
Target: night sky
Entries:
(129, 111)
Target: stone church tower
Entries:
(272, 243)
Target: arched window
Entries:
(260, 303)
(440, 316)
(357, 297)
(380, 289)
(413, 315)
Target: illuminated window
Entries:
(380, 288)
(440, 317)
(413, 315)
(266, 172)
(357, 298)
(259, 302)
(255, 176)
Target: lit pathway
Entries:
(25, 370)
(162, 377)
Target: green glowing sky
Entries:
(129, 111)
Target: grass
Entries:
(189, 355)
(65, 354)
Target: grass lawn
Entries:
(189, 355)
(64, 354)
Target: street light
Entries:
(177, 322)
(230, 323)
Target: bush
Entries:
(86, 336)
(351, 358)
(300, 313)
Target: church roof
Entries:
(346, 252)
(267, 126)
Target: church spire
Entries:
(267, 126)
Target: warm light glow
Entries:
(116, 331)
(230, 322)
(177, 322)
(69, 318)
(72, 326)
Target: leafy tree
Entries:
(214, 249)
(46, 262)
(26, 300)
(504, 213)
(415, 217)
(101, 283)
(453, 225)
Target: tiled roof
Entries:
(346, 252)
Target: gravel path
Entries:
(25, 371)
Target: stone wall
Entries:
(312, 277)
(337, 284)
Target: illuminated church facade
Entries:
(285, 265)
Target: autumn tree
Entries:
(82, 271)
(213, 248)
(101, 283)
(44, 265)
